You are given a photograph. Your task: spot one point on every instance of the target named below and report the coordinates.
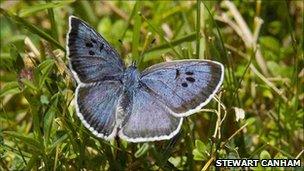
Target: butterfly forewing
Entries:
(184, 86)
(92, 59)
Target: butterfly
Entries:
(114, 100)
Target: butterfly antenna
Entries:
(148, 42)
(120, 41)
(134, 63)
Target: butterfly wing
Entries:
(98, 70)
(96, 106)
(147, 119)
(184, 86)
(92, 59)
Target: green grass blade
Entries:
(162, 36)
(129, 21)
(298, 50)
(198, 27)
(26, 139)
(54, 27)
(44, 69)
(136, 33)
(35, 30)
(88, 11)
(10, 88)
(32, 163)
(49, 117)
(42, 6)
(188, 38)
(231, 78)
(57, 142)
(17, 59)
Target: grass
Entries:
(39, 129)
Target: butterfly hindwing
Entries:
(97, 105)
(184, 86)
(150, 120)
(92, 59)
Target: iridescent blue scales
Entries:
(112, 100)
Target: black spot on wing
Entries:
(189, 73)
(91, 52)
(190, 79)
(177, 73)
(93, 40)
(101, 47)
(184, 84)
(89, 45)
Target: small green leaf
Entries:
(250, 121)
(270, 43)
(199, 152)
(142, 150)
(197, 155)
(200, 145)
(274, 27)
(265, 155)
(279, 69)
(44, 68)
(10, 88)
(44, 99)
(18, 61)
(267, 93)
(178, 161)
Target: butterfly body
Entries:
(112, 100)
(131, 78)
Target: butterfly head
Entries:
(131, 76)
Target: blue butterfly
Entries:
(112, 100)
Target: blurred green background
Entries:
(260, 106)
